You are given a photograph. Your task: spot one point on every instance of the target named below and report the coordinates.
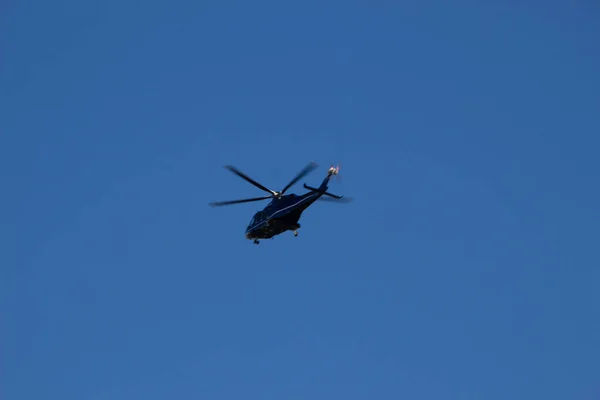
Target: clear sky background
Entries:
(467, 266)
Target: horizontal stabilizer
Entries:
(321, 191)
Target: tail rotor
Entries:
(334, 171)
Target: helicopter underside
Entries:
(275, 226)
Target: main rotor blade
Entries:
(225, 203)
(309, 168)
(246, 177)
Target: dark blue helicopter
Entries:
(284, 211)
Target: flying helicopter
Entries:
(284, 210)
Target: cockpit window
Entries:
(257, 217)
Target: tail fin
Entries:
(332, 171)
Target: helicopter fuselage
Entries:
(280, 215)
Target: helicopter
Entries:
(284, 210)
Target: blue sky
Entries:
(466, 267)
